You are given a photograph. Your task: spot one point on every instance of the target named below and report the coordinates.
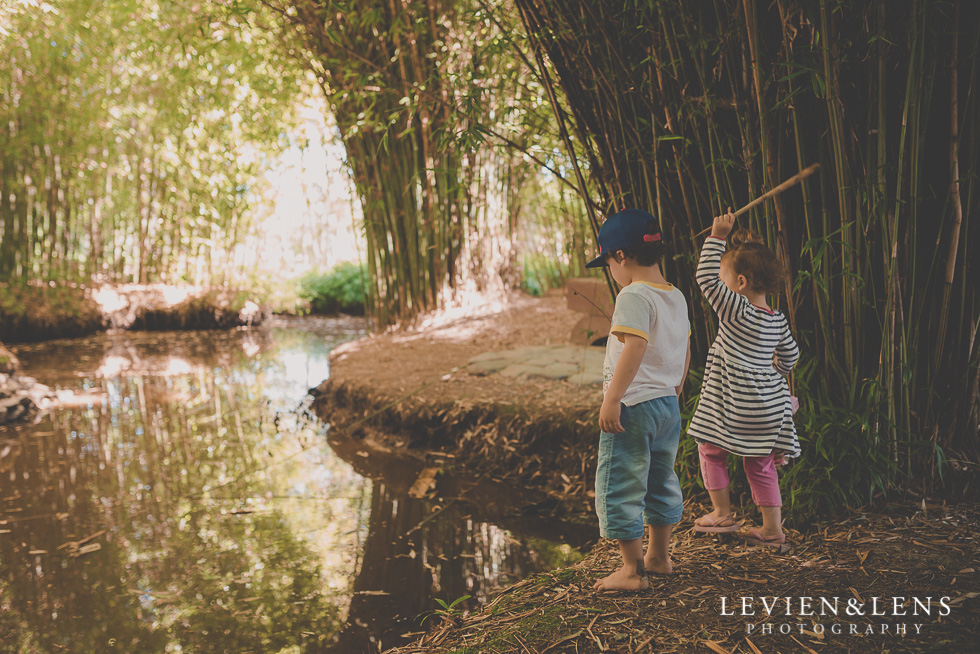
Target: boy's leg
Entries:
(657, 557)
(764, 482)
(619, 489)
(664, 502)
(714, 474)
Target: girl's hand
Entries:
(723, 225)
(609, 417)
(779, 459)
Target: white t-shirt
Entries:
(658, 313)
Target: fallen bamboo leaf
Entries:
(752, 645)
(424, 483)
(809, 650)
(754, 581)
(715, 647)
(565, 640)
(91, 547)
(856, 594)
(645, 643)
(965, 596)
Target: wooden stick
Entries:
(792, 181)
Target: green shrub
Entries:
(36, 312)
(541, 273)
(341, 290)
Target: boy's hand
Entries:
(609, 417)
(723, 225)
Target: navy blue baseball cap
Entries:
(626, 229)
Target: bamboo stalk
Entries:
(954, 192)
(789, 183)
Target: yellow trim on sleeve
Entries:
(616, 330)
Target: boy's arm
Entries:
(687, 368)
(629, 362)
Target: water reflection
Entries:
(185, 503)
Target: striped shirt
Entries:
(744, 406)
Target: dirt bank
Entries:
(413, 389)
(867, 560)
(40, 312)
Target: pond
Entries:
(184, 499)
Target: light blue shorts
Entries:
(635, 483)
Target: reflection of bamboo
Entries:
(393, 583)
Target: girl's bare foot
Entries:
(658, 565)
(623, 579)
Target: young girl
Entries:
(647, 355)
(745, 406)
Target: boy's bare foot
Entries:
(658, 566)
(622, 579)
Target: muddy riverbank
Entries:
(417, 390)
(30, 313)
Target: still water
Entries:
(185, 500)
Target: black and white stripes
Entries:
(745, 406)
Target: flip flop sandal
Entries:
(717, 526)
(753, 537)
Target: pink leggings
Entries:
(760, 470)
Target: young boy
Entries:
(647, 357)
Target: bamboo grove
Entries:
(482, 134)
(692, 107)
(421, 104)
(132, 136)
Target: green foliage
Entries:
(447, 610)
(341, 290)
(32, 312)
(540, 273)
(134, 136)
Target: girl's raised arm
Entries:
(723, 300)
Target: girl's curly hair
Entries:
(751, 257)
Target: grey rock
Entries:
(585, 379)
